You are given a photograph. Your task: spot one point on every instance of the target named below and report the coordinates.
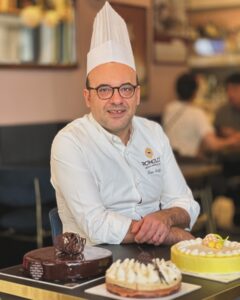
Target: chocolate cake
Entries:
(68, 260)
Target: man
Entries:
(188, 127)
(227, 123)
(115, 175)
(227, 119)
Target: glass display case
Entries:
(37, 33)
(215, 52)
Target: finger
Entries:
(148, 236)
(156, 237)
(160, 230)
(145, 233)
(160, 235)
(161, 238)
(149, 229)
(136, 226)
(157, 243)
(154, 233)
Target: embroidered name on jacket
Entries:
(151, 163)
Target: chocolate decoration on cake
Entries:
(36, 270)
(160, 274)
(70, 244)
(144, 257)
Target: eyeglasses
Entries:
(106, 92)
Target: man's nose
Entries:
(116, 97)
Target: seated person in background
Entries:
(115, 175)
(227, 123)
(188, 127)
(227, 120)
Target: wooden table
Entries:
(15, 288)
(195, 171)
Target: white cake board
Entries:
(101, 290)
(225, 278)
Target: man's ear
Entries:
(86, 95)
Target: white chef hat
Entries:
(110, 40)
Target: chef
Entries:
(115, 175)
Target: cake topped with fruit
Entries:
(212, 254)
(133, 278)
(216, 242)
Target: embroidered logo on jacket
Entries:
(152, 161)
(149, 153)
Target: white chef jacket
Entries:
(102, 184)
(186, 125)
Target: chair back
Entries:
(55, 222)
(17, 186)
(26, 195)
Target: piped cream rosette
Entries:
(154, 276)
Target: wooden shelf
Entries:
(36, 65)
(13, 11)
(10, 19)
(217, 61)
(196, 5)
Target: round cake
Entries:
(213, 254)
(68, 260)
(131, 278)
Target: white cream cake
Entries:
(131, 278)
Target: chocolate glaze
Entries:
(68, 268)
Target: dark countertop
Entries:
(209, 290)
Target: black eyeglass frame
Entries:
(113, 88)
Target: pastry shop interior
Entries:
(185, 57)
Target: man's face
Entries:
(233, 92)
(114, 114)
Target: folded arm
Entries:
(161, 226)
(179, 209)
(212, 142)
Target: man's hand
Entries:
(154, 228)
(228, 131)
(130, 236)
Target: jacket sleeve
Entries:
(71, 177)
(176, 192)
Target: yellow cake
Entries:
(209, 255)
(131, 278)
